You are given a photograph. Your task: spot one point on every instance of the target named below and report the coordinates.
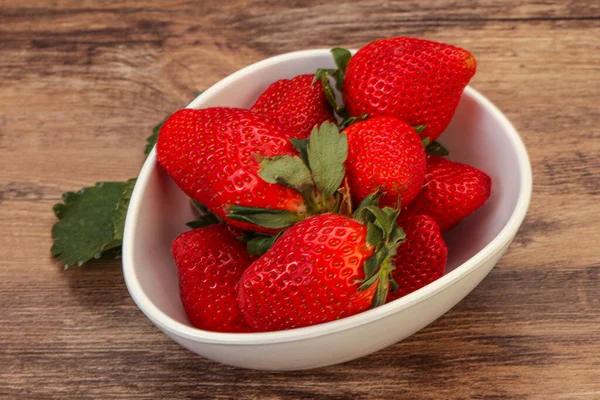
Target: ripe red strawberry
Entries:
(312, 275)
(210, 262)
(384, 152)
(210, 154)
(296, 104)
(415, 80)
(422, 257)
(451, 192)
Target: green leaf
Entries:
(437, 149)
(374, 234)
(341, 57)
(302, 146)
(86, 226)
(420, 128)
(383, 233)
(373, 262)
(275, 219)
(426, 141)
(327, 152)
(204, 217)
(371, 200)
(322, 73)
(259, 245)
(368, 283)
(330, 95)
(121, 210)
(394, 285)
(323, 76)
(380, 293)
(351, 120)
(288, 171)
(152, 139)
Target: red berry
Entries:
(296, 104)
(210, 154)
(415, 80)
(309, 276)
(422, 257)
(385, 153)
(451, 192)
(210, 262)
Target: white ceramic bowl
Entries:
(479, 135)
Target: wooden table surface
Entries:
(83, 82)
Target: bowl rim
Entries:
(171, 326)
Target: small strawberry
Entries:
(422, 257)
(386, 153)
(210, 262)
(210, 154)
(415, 80)
(296, 104)
(324, 268)
(451, 192)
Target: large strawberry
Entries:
(210, 261)
(385, 153)
(451, 192)
(296, 104)
(210, 154)
(324, 268)
(421, 258)
(315, 174)
(415, 80)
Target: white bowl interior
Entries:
(160, 209)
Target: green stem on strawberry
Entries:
(341, 57)
(383, 233)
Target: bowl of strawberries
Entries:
(320, 205)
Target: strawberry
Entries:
(316, 174)
(296, 104)
(422, 257)
(324, 268)
(415, 80)
(210, 154)
(386, 153)
(210, 262)
(451, 192)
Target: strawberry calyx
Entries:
(437, 149)
(316, 173)
(431, 147)
(384, 233)
(341, 57)
(420, 129)
(351, 120)
(203, 216)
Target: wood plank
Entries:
(82, 84)
(52, 120)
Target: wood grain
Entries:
(81, 85)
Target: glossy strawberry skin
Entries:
(415, 80)
(421, 259)
(385, 153)
(309, 276)
(210, 262)
(296, 104)
(210, 154)
(451, 192)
